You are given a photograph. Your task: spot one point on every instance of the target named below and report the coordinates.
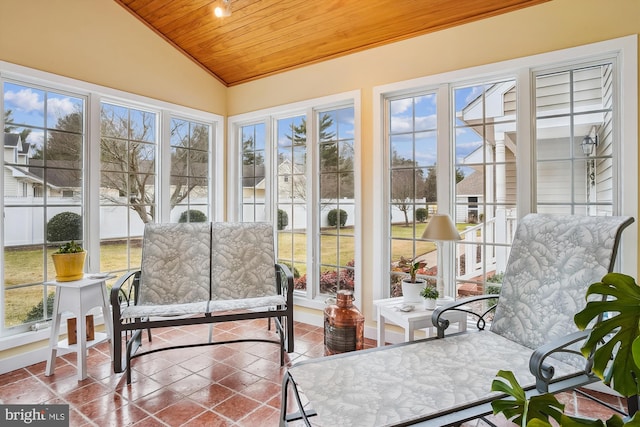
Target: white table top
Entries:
(88, 280)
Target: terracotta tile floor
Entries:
(226, 385)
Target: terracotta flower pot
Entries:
(69, 267)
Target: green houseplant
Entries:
(616, 363)
(430, 295)
(68, 261)
(411, 286)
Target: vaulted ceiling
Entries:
(265, 37)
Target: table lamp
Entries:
(441, 228)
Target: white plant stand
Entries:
(78, 297)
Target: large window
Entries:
(253, 173)
(299, 170)
(291, 196)
(484, 132)
(532, 138)
(128, 151)
(189, 190)
(575, 139)
(412, 159)
(336, 180)
(44, 143)
(91, 164)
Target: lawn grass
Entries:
(24, 276)
(24, 268)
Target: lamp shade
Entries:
(441, 227)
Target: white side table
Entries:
(78, 297)
(418, 318)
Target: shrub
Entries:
(192, 215)
(337, 216)
(64, 226)
(294, 271)
(283, 219)
(421, 214)
(36, 313)
(494, 289)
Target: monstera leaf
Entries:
(619, 331)
(537, 411)
(519, 409)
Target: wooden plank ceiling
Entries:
(265, 37)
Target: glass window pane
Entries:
(553, 94)
(554, 181)
(65, 112)
(142, 125)
(401, 115)
(43, 192)
(578, 139)
(64, 150)
(553, 138)
(24, 106)
(486, 181)
(128, 183)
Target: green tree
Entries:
(249, 155)
(192, 215)
(9, 127)
(129, 162)
(189, 168)
(430, 186)
(336, 160)
(407, 184)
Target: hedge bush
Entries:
(64, 226)
(336, 216)
(421, 214)
(36, 314)
(192, 215)
(294, 271)
(283, 219)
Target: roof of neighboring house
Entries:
(251, 177)
(470, 185)
(24, 175)
(58, 174)
(14, 140)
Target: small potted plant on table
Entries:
(68, 261)
(411, 286)
(430, 295)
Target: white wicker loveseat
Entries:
(201, 273)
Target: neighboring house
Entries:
(23, 177)
(470, 198)
(589, 178)
(291, 181)
(489, 190)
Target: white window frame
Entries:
(95, 94)
(623, 49)
(269, 116)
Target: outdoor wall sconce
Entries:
(588, 144)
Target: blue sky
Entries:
(28, 108)
(418, 114)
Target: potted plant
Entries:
(68, 261)
(411, 286)
(617, 363)
(430, 295)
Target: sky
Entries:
(28, 108)
(416, 114)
